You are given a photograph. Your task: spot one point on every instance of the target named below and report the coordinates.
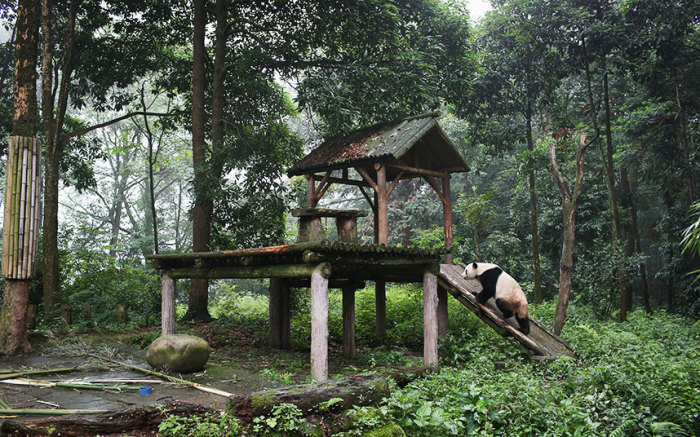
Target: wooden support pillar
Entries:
(349, 322)
(319, 323)
(382, 205)
(275, 312)
(311, 191)
(382, 237)
(380, 309)
(279, 314)
(167, 305)
(430, 320)
(447, 216)
(347, 229)
(443, 319)
(285, 323)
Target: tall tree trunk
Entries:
(633, 246)
(152, 217)
(51, 171)
(13, 317)
(569, 205)
(687, 166)
(533, 207)
(50, 278)
(201, 212)
(622, 288)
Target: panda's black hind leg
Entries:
(507, 314)
(524, 324)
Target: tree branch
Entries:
(65, 139)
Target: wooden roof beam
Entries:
(418, 171)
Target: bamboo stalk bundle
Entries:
(21, 212)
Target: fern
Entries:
(668, 429)
(623, 430)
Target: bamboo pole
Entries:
(37, 207)
(45, 412)
(15, 374)
(81, 386)
(201, 387)
(6, 210)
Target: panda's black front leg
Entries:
(485, 295)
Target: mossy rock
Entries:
(178, 353)
(390, 430)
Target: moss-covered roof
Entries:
(417, 141)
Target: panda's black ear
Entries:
(474, 264)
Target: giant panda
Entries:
(510, 298)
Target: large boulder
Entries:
(178, 353)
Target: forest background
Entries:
(168, 127)
(528, 76)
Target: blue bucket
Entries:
(145, 390)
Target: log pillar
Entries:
(447, 216)
(381, 237)
(275, 312)
(167, 305)
(279, 314)
(319, 322)
(380, 309)
(347, 229)
(443, 319)
(430, 321)
(349, 322)
(285, 322)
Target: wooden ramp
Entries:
(540, 342)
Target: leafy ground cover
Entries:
(639, 378)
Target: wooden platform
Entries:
(540, 341)
(319, 265)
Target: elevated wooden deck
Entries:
(319, 265)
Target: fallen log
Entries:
(359, 390)
(110, 422)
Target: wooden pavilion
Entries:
(382, 156)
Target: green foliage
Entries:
(105, 281)
(283, 420)
(633, 378)
(195, 426)
(284, 378)
(691, 237)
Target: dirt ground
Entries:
(238, 367)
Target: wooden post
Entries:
(347, 229)
(167, 305)
(382, 237)
(66, 314)
(380, 309)
(275, 312)
(443, 319)
(382, 204)
(285, 317)
(430, 321)
(311, 190)
(319, 324)
(349, 322)
(447, 216)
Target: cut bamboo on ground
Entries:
(200, 387)
(49, 384)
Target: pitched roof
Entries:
(386, 142)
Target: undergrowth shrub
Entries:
(636, 378)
